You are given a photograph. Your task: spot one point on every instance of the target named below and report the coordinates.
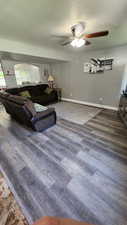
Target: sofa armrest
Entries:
(43, 114)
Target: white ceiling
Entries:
(38, 22)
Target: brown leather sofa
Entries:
(37, 93)
(23, 110)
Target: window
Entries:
(2, 79)
(26, 73)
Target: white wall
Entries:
(82, 86)
(124, 81)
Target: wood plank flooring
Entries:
(70, 170)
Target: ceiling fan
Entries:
(79, 38)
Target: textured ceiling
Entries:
(37, 22)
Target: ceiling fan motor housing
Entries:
(78, 29)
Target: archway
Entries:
(26, 73)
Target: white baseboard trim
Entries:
(90, 104)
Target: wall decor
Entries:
(98, 65)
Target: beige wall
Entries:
(99, 88)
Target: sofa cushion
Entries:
(41, 97)
(35, 91)
(17, 99)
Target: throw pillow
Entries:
(25, 94)
(39, 108)
(48, 90)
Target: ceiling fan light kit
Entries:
(77, 43)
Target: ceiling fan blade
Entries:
(60, 36)
(66, 42)
(97, 34)
(87, 43)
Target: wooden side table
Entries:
(59, 93)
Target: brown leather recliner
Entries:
(23, 110)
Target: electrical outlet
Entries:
(101, 100)
(70, 94)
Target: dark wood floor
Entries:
(70, 170)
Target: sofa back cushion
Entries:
(37, 90)
(17, 99)
(48, 90)
(34, 90)
(13, 91)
